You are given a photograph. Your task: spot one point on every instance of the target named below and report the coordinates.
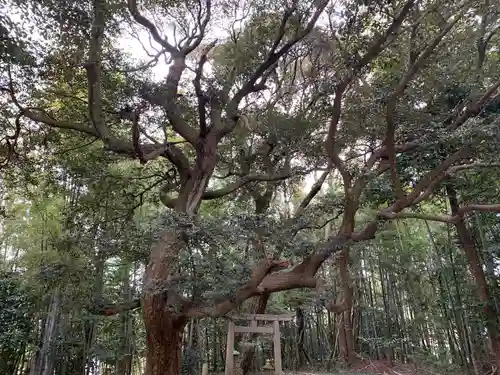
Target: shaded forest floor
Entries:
(376, 367)
(383, 367)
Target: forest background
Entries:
(166, 163)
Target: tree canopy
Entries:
(195, 158)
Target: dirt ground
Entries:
(368, 367)
(373, 368)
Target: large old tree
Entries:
(256, 93)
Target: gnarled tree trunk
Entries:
(164, 326)
(345, 328)
(164, 341)
(163, 307)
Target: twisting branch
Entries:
(135, 137)
(231, 188)
(98, 129)
(255, 286)
(331, 140)
(430, 177)
(151, 63)
(475, 108)
(195, 40)
(40, 115)
(462, 167)
(398, 92)
(11, 142)
(378, 46)
(426, 194)
(303, 275)
(169, 100)
(139, 18)
(448, 173)
(491, 34)
(272, 58)
(374, 50)
(414, 215)
(352, 194)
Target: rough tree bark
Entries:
(344, 325)
(164, 327)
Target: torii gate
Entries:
(273, 329)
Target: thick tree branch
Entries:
(100, 130)
(202, 98)
(331, 140)
(491, 34)
(11, 142)
(415, 215)
(168, 100)
(252, 288)
(93, 67)
(41, 116)
(303, 275)
(136, 133)
(431, 176)
(478, 207)
(430, 189)
(149, 151)
(458, 168)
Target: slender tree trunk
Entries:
(477, 272)
(457, 349)
(45, 359)
(345, 327)
(124, 363)
(299, 314)
(388, 331)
